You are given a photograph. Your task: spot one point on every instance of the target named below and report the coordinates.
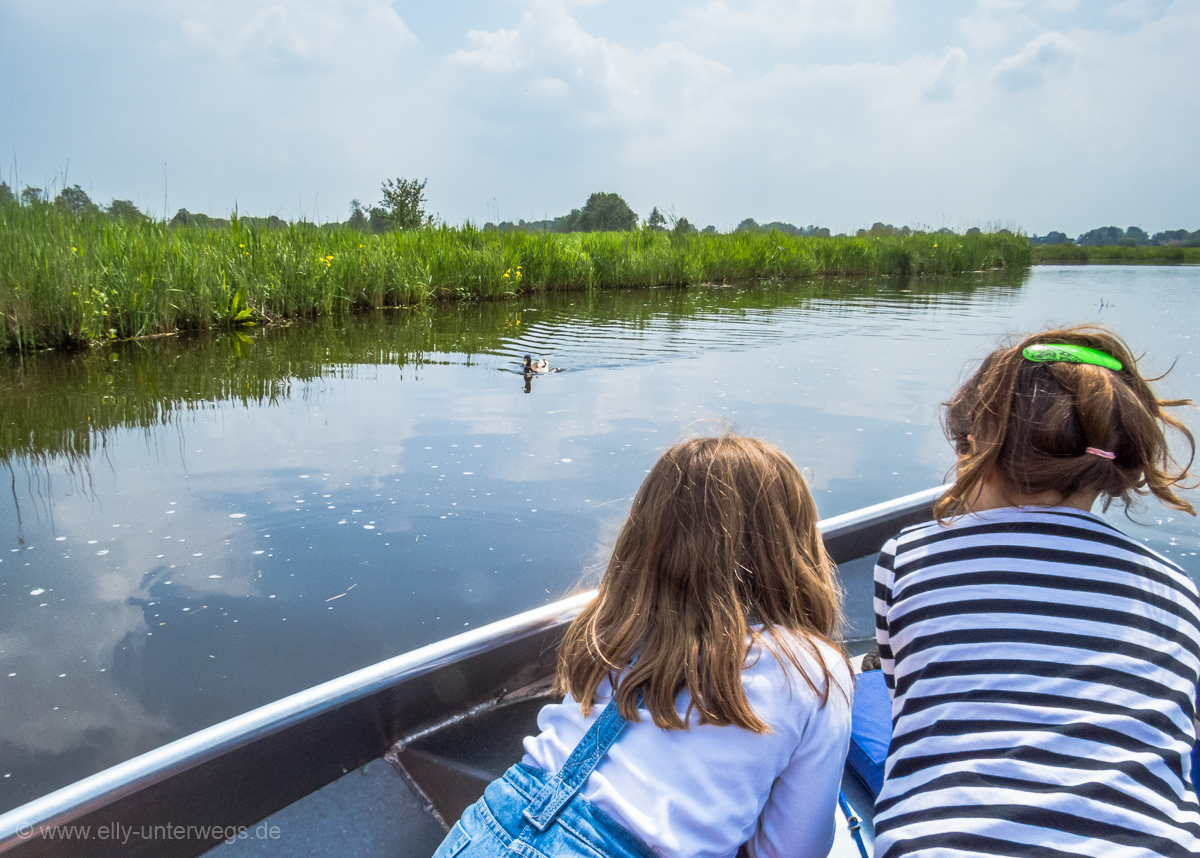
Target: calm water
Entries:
(196, 527)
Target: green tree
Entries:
(656, 221)
(1136, 236)
(75, 201)
(1104, 235)
(1177, 236)
(358, 217)
(125, 210)
(748, 225)
(606, 212)
(568, 222)
(879, 228)
(379, 220)
(31, 196)
(404, 203)
(6, 194)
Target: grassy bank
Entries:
(65, 407)
(70, 280)
(1052, 253)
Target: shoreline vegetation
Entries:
(73, 274)
(151, 384)
(1058, 253)
(69, 279)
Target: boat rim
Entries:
(67, 803)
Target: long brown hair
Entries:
(722, 537)
(1031, 424)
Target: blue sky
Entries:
(1034, 115)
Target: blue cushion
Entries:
(870, 729)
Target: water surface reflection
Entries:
(197, 526)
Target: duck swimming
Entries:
(535, 365)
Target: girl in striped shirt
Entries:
(1043, 666)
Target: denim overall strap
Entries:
(561, 788)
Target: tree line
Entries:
(403, 206)
(73, 200)
(1114, 236)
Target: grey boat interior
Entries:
(378, 761)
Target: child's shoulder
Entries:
(1047, 521)
(914, 534)
(781, 655)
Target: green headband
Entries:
(1058, 352)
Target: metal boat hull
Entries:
(233, 775)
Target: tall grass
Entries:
(65, 406)
(70, 280)
(1050, 253)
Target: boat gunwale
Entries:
(72, 801)
(127, 778)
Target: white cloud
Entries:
(500, 51)
(1138, 10)
(1047, 54)
(299, 35)
(948, 76)
(995, 23)
(552, 54)
(838, 113)
(930, 137)
(785, 22)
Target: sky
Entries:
(1049, 115)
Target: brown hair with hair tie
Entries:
(1064, 428)
(720, 552)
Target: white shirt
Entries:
(706, 790)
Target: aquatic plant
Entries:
(1044, 253)
(72, 279)
(64, 405)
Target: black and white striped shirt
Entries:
(1043, 669)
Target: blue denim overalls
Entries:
(532, 813)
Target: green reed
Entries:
(1051, 253)
(67, 281)
(63, 407)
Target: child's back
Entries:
(730, 722)
(702, 792)
(1044, 685)
(1043, 666)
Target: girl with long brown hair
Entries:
(707, 701)
(1043, 666)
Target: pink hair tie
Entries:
(1103, 454)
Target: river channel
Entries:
(199, 525)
